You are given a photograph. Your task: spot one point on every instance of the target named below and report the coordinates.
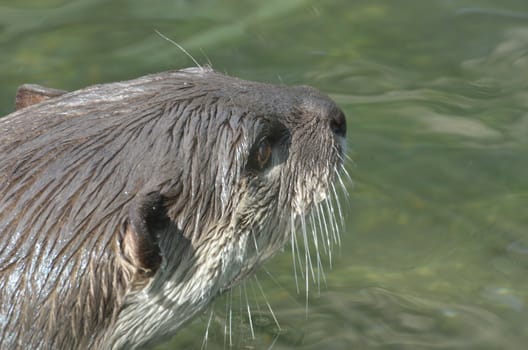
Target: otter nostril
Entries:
(338, 124)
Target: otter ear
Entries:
(30, 94)
(139, 237)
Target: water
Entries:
(435, 252)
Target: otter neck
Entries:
(187, 281)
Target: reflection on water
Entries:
(376, 317)
(370, 317)
(435, 253)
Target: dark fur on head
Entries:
(125, 208)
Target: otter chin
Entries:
(126, 208)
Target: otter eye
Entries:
(263, 154)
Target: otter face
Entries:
(291, 164)
(132, 205)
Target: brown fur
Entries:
(126, 208)
(30, 94)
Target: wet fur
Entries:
(126, 208)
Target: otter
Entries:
(126, 208)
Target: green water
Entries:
(435, 251)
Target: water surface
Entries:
(435, 250)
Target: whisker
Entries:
(327, 233)
(274, 341)
(343, 187)
(307, 260)
(338, 205)
(179, 47)
(278, 284)
(328, 212)
(209, 63)
(255, 298)
(316, 247)
(249, 314)
(307, 255)
(296, 256)
(241, 307)
(294, 246)
(331, 219)
(206, 336)
(252, 233)
(323, 276)
(327, 251)
(349, 159)
(268, 304)
(316, 219)
(344, 171)
(230, 318)
(226, 323)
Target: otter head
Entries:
(246, 163)
(162, 192)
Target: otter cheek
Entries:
(233, 260)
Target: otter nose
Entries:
(338, 123)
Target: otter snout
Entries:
(337, 123)
(323, 108)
